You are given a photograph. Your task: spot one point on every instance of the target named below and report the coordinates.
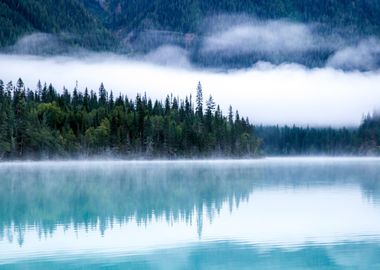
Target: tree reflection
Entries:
(100, 195)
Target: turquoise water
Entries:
(291, 213)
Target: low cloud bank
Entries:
(168, 55)
(364, 56)
(267, 94)
(280, 41)
(228, 41)
(263, 37)
(44, 44)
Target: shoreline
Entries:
(197, 161)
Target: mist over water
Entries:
(273, 213)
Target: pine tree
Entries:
(86, 100)
(2, 94)
(5, 146)
(230, 115)
(199, 101)
(39, 89)
(210, 108)
(103, 96)
(20, 111)
(210, 104)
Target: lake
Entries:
(275, 213)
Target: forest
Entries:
(97, 17)
(137, 27)
(46, 123)
(65, 18)
(357, 16)
(43, 123)
(293, 140)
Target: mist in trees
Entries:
(45, 123)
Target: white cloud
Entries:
(363, 56)
(263, 37)
(268, 94)
(40, 43)
(169, 55)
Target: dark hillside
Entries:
(67, 18)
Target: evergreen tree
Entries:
(103, 96)
(199, 101)
(21, 121)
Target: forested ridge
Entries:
(68, 19)
(113, 24)
(43, 123)
(360, 16)
(46, 123)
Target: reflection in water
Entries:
(240, 256)
(262, 213)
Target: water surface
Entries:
(291, 213)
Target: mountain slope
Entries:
(321, 29)
(90, 22)
(67, 18)
(187, 15)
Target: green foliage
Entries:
(184, 16)
(369, 134)
(68, 18)
(308, 141)
(110, 24)
(45, 123)
(98, 137)
(50, 114)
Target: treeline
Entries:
(44, 123)
(293, 140)
(369, 134)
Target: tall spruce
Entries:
(199, 101)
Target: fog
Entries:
(335, 93)
(289, 41)
(267, 94)
(43, 43)
(169, 55)
(364, 55)
(265, 37)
